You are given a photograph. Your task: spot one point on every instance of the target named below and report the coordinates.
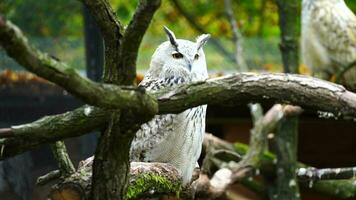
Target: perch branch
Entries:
(146, 179)
(242, 88)
(102, 95)
(193, 23)
(313, 174)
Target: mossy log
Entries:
(146, 179)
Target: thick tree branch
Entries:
(102, 95)
(307, 92)
(132, 38)
(193, 23)
(105, 18)
(241, 88)
(112, 32)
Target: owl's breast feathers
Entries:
(329, 36)
(171, 138)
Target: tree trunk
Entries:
(286, 184)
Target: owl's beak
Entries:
(190, 66)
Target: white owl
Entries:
(328, 37)
(174, 138)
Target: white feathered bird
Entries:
(328, 40)
(174, 138)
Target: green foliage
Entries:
(45, 18)
(62, 20)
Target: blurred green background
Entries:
(57, 27)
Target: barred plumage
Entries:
(328, 37)
(174, 138)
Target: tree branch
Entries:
(241, 88)
(313, 174)
(60, 154)
(105, 18)
(132, 38)
(307, 92)
(102, 95)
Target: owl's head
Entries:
(177, 57)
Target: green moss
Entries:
(159, 184)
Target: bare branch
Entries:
(313, 174)
(53, 175)
(105, 18)
(60, 154)
(241, 88)
(193, 23)
(133, 36)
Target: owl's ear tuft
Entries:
(202, 39)
(171, 37)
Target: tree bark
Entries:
(111, 164)
(286, 140)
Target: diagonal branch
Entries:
(112, 32)
(105, 18)
(102, 95)
(133, 36)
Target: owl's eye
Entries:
(177, 55)
(196, 57)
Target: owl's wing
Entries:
(336, 28)
(157, 129)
